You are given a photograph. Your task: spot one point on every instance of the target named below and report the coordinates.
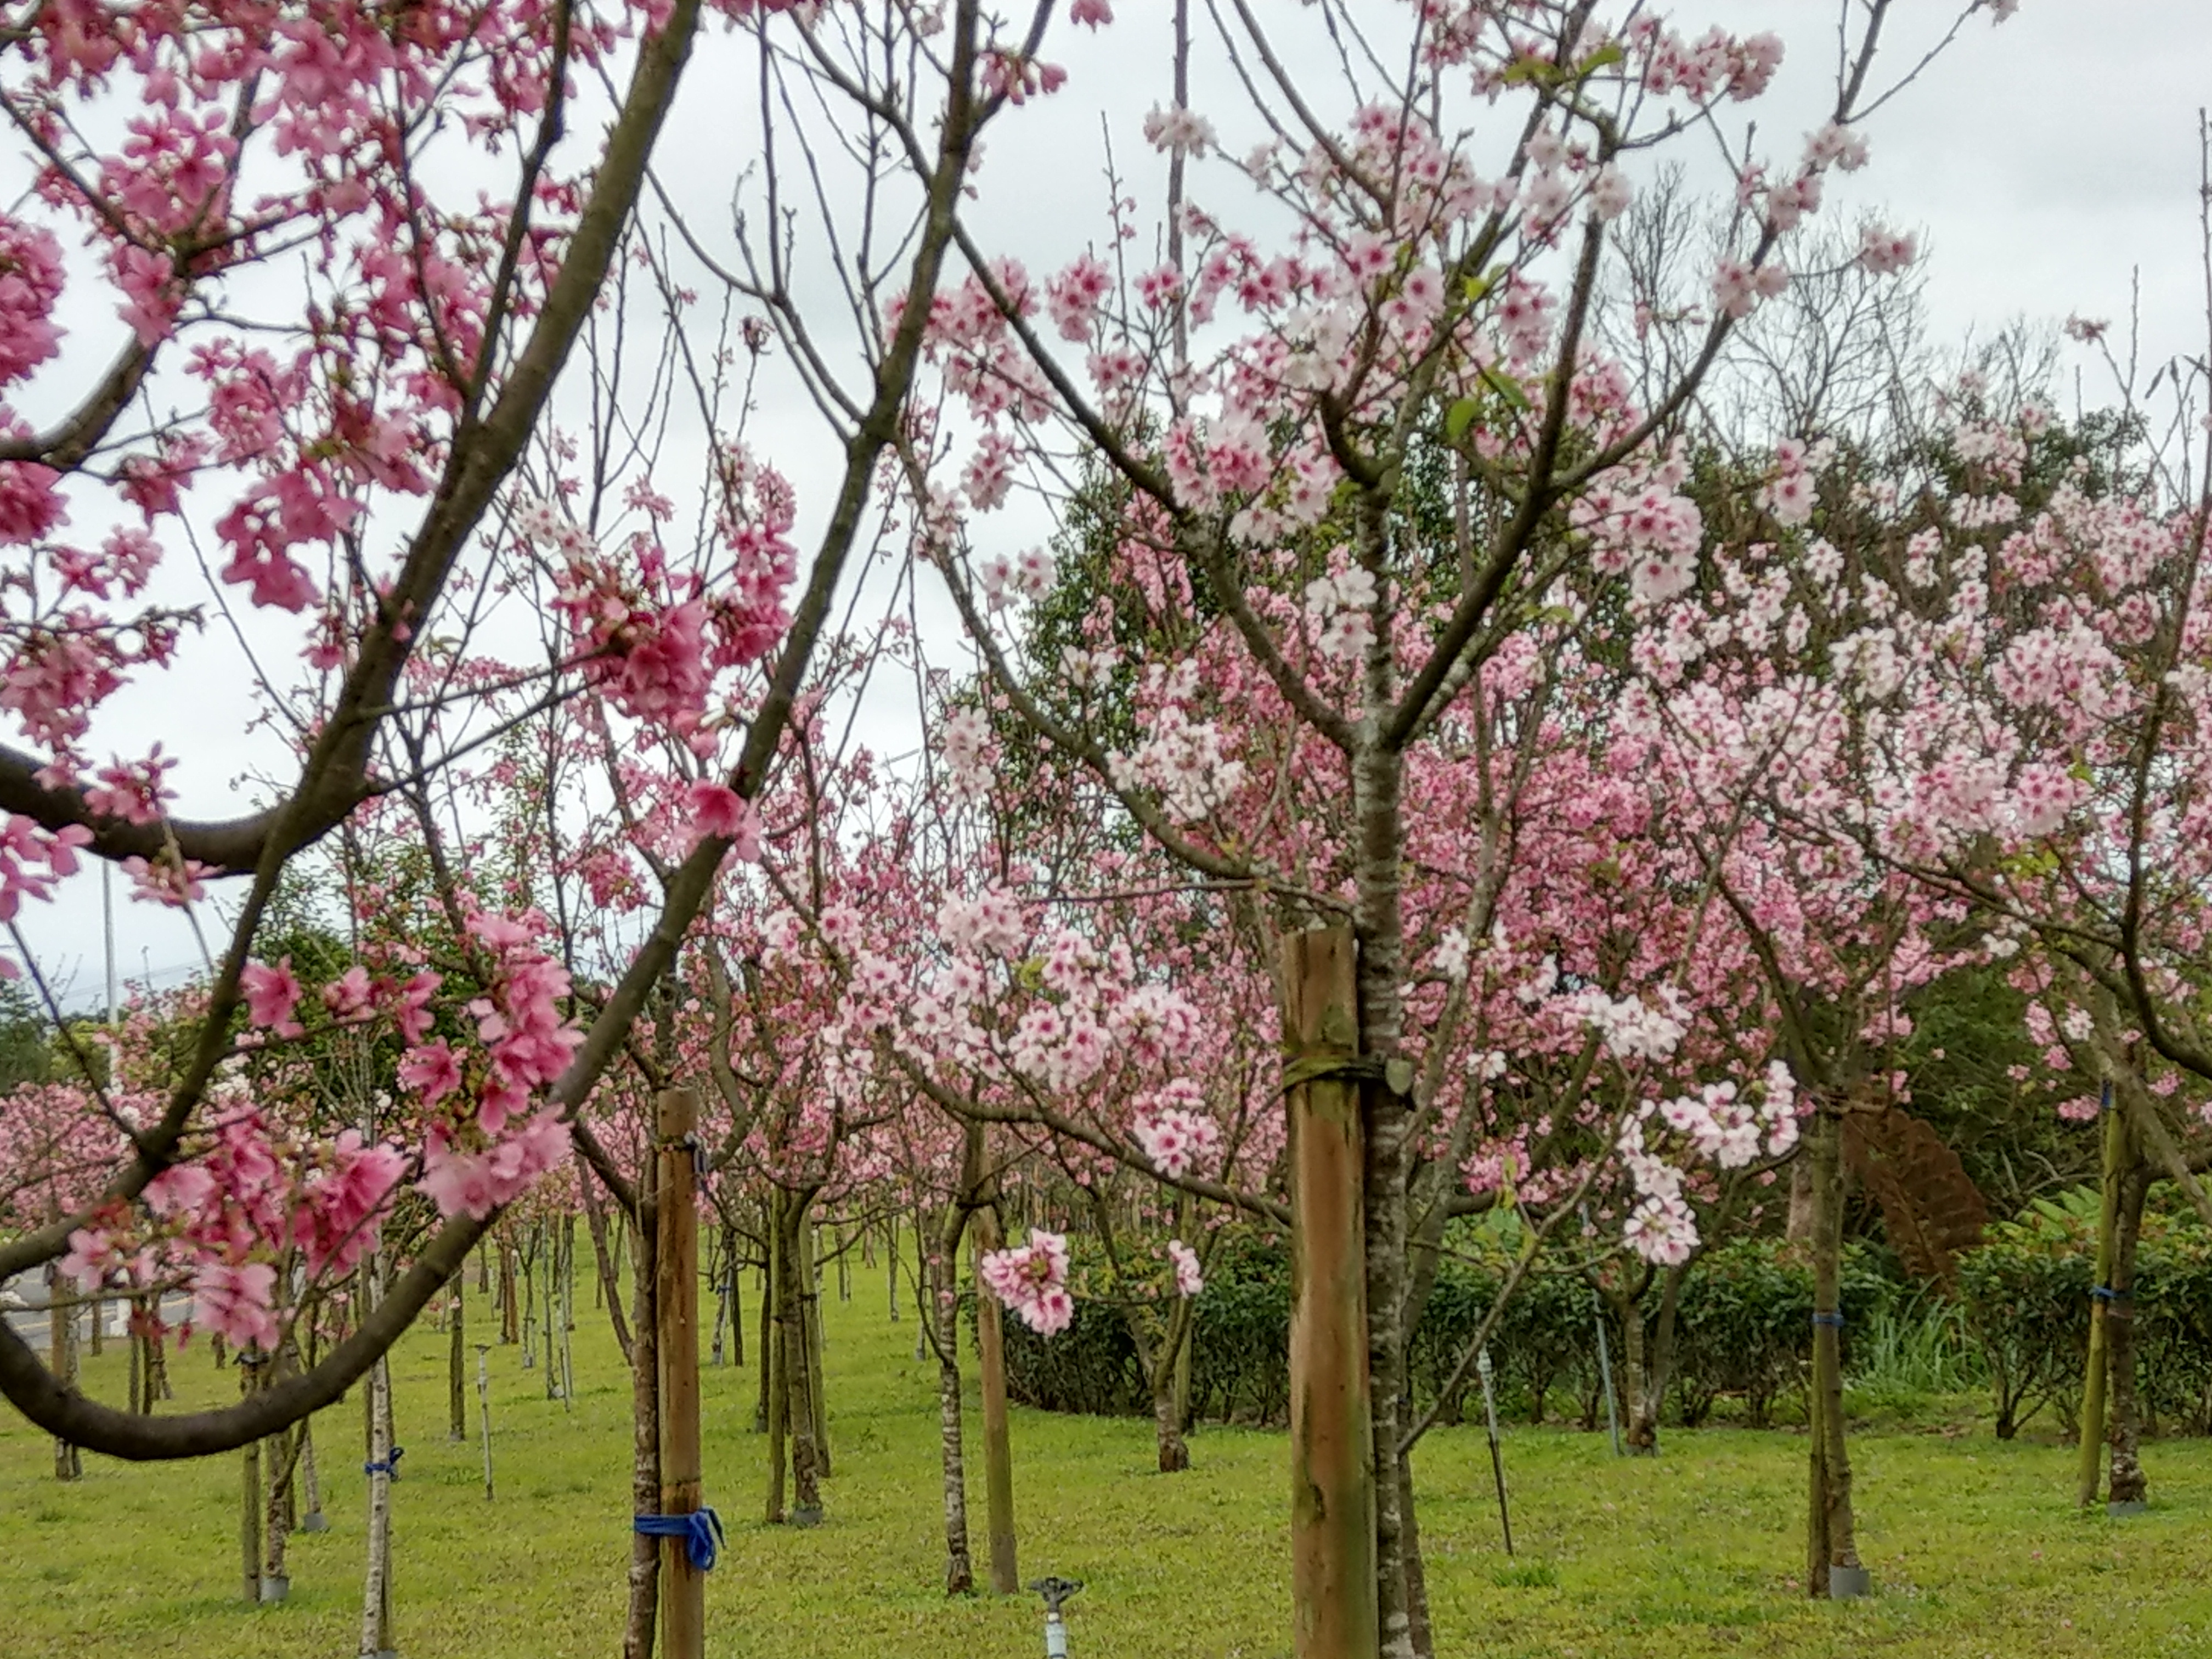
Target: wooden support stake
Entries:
(676, 1301)
(1333, 1585)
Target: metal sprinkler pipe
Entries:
(1055, 1591)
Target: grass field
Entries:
(1975, 1548)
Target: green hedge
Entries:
(2016, 1326)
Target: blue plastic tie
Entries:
(1835, 1321)
(700, 1531)
(2107, 1293)
(390, 1466)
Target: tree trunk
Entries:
(776, 1401)
(725, 1276)
(676, 1308)
(2097, 1370)
(510, 1315)
(376, 1637)
(457, 1368)
(528, 1277)
(960, 1570)
(278, 1513)
(595, 1223)
(61, 1338)
(767, 1342)
(549, 1254)
(2128, 1484)
(568, 1312)
(1832, 1539)
(1333, 1570)
(795, 1293)
(1657, 1370)
(892, 1263)
(998, 1447)
(809, 1307)
(253, 1496)
(644, 1433)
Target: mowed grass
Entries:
(1975, 1547)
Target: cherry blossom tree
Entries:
(358, 438)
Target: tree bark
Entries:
(810, 1308)
(937, 1281)
(61, 1338)
(792, 1297)
(676, 1311)
(2128, 1483)
(774, 1360)
(595, 1223)
(1334, 1566)
(644, 1433)
(252, 1497)
(376, 1638)
(510, 1315)
(998, 1447)
(2098, 1368)
(1830, 1534)
(457, 1368)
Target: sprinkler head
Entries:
(1055, 1591)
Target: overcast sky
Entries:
(2046, 162)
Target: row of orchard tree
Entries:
(1452, 679)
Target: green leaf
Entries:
(1459, 416)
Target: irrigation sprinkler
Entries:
(1055, 1592)
(1496, 1457)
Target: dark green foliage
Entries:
(2018, 1327)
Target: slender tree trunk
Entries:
(376, 1635)
(510, 1315)
(528, 1277)
(810, 1308)
(2128, 1484)
(1335, 1583)
(2097, 1370)
(568, 1312)
(457, 1368)
(61, 1338)
(609, 1282)
(735, 1285)
(892, 1263)
(310, 1481)
(549, 1254)
(278, 1514)
(645, 1434)
(805, 1467)
(725, 1275)
(676, 1297)
(1655, 1371)
(775, 1361)
(767, 1343)
(1832, 1536)
(253, 1497)
(998, 1446)
(959, 1570)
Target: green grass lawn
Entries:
(1975, 1548)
